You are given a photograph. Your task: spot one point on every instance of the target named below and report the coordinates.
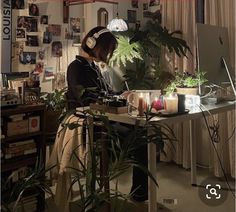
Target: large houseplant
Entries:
(94, 195)
(140, 53)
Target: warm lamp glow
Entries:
(117, 25)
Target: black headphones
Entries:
(91, 41)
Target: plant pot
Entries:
(52, 122)
(188, 91)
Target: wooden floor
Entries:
(121, 206)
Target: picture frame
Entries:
(31, 95)
(131, 16)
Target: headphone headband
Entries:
(91, 41)
(97, 34)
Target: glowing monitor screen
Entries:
(213, 45)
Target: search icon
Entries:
(213, 191)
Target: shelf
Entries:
(18, 162)
(21, 136)
(22, 109)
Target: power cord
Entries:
(213, 141)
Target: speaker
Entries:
(91, 41)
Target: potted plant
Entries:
(186, 83)
(94, 191)
(55, 104)
(139, 51)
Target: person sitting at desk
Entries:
(99, 45)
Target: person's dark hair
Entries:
(106, 43)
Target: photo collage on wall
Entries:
(36, 38)
(73, 31)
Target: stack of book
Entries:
(19, 148)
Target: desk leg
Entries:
(152, 206)
(193, 154)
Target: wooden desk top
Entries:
(197, 113)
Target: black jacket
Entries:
(81, 73)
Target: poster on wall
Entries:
(131, 16)
(20, 34)
(6, 36)
(75, 25)
(38, 68)
(29, 23)
(56, 49)
(27, 58)
(49, 73)
(32, 40)
(44, 19)
(134, 3)
(41, 54)
(55, 29)
(60, 80)
(47, 36)
(33, 10)
(18, 4)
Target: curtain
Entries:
(180, 15)
(222, 13)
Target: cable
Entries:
(213, 143)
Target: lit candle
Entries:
(171, 104)
(140, 105)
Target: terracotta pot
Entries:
(189, 91)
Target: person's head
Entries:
(99, 43)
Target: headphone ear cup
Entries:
(91, 42)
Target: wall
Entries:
(54, 9)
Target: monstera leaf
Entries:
(126, 52)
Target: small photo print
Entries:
(18, 4)
(33, 10)
(41, 54)
(32, 40)
(20, 34)
(38, 68)
(145, 6)
(154, 3)
(56, 49)
(27, 58)
(134, 3)
(49, 73)
(29, 23)
(44, 19)
(75, 25)
(68, 34)
(60, 80)
(55, 29)
(76, 39)
(131, 15)
(47, 37)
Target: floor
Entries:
(174, 193)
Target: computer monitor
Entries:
(213, 54)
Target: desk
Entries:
(192, 115)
